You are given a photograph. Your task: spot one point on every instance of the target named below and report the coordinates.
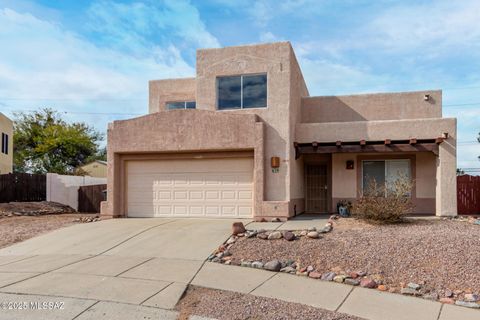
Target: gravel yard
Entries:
(20, 221)
(228, 305)
(441, 255)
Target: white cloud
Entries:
(261, 12)
(269, 37)
(41, 60)
(131, 26)
(429, 26)
(326, 75)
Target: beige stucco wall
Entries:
(95, 169)
(272, 59)
(6, 160)
(426, 172)
(346, 183)
(298, 89)
(181, 133)
(290, 116)
(376, 130)
(437, 174)
(169, 90)
(378, 106)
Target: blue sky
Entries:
(93, 59)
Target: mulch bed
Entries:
(33, 208)
(228, 305)
(441, 255)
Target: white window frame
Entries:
(385, 170)
(241, 90)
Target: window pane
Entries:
(229, 92)
(175, 105)
(255, 91)
(190, 105)
(373, 170)
(396, 169)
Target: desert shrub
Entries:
(385, 203)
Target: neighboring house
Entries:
(6, 144)
(97, 168)
(245, 139)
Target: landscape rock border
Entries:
(354, 278)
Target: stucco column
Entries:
(259, 173)
(446, 187)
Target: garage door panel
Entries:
(212, 195)
(245, 211)
(228, 211)
(164, 210)
(196, 187)
(245, 195)
(196, 195)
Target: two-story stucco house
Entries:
(245, 139)
(6, 144)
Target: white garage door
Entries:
(190, 188)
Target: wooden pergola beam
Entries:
(387, 145)
(368, 148)
(439, 140)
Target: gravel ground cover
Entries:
(33, 208)
(228, 305)
(19, 228)
(441, 256)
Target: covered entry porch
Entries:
(339, 171)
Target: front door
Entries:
(316, 188)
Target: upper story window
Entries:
(4, 143)
(181, 105)
(242, 92)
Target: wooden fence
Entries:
(468, 194)
(23, 187)
(89, 198)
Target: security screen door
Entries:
(316, 188)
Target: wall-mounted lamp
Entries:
(426, 97)
(350, 164)
(275, 162)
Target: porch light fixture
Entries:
(350, 164)
(275, 162)
(426, 97)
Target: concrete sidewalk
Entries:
(364, 303)
(113, 269)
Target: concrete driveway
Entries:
(109, 269)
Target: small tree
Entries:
(385, 203)
(44, 142)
